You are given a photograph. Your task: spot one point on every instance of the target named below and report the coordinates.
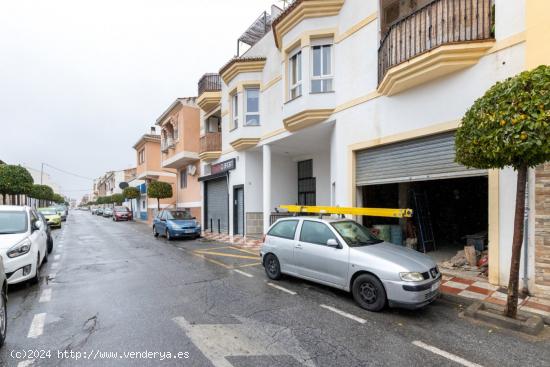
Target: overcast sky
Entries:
(82, 80)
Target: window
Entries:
(321, 79)
(306, 183)
(295, 75)
(141, 156)
(213, 124)
(183, 178)
(235, 110)
(175, 131)
(316, 232)
(284, 229)
(252, 107)
(355, 234)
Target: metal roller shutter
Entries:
(216, 204)
(426, 158)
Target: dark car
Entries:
(121, 213)
(48, 232)
(99, 211)
(174, 223)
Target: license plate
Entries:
(189, 231)
(435, 286)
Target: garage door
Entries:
(426, 158)
(216, 204)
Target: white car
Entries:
(23, 243)
(3, 303)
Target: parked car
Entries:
(3, 303)
(107, 212)
(48, 232)
(53, 219)
(174, 223)
(23, 243)
(121, 213)
(62, 211)
(99, 211)
(343, 254)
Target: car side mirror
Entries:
(194, 218)
(331, 242)
(37, 225)
(162, 220)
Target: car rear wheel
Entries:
(272, 267)
(155, 233)
(369, 293)
(50, 245)
(3, 317)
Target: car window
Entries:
(163, 215)
(34, 218)
(284, 229)
(316, 232)
(13, 222)
(178, 215)
(355, 234)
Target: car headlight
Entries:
(20, 248)
(411, 277)
(173, 225)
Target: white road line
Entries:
(282, 289)
(243, 273)
(26, 363)
(345, 314)
(37, 325)
(46, 295)
(447, 355)
(57, 257)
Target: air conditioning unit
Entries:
(191, 170)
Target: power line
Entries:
(68, 173)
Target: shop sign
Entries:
(223, 166)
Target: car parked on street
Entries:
(23, 243)
(53, 219)
(99, 211)
(121, 213)
(3, 303)
(62, 211)
(173, 223)
(48, 232)
(107, 212)
(343, 254)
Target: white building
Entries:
(355, 103)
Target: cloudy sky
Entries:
(81, 80)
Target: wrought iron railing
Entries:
(211, 142)
(210, 83)
(439, 22)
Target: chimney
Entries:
(153, 130)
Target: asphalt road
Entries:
(113, 295)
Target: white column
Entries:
(266, 150)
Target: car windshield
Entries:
(121, 209)
(355, 234)
(13, 222)
(178, 215)
(47, 211)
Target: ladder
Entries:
(423, 221)
(373, 212)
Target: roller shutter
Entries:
(217, 204)
(427, 158)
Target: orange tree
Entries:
(131, 193)
(159, 190)
(14, 180)
(509, 127)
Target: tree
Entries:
(58, 199)
(41, 193)
(117, 198)
(159, 190)
(14, 180)
(509, 126)
(131, 193)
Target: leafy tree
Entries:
(510, 126)
(131, 193)
(58, 199)
(107, 199)
(14, 180)
(159, 190)
(41, 193)
(117, 199)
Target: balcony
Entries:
(166, 144)
(438, 39)
(210, 86)
(211, 146)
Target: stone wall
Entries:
(254, 224)
(542, 230)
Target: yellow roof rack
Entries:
(372, 212)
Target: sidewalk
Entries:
(241, 241)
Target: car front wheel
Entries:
(168, 235)
(272, 267)
(36, 278)
(155, 233)
(3, 317)
(369, 292)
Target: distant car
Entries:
(62, 211)
(99, 211)
(3, 303)
(107, 212)
(343, 254)
(121, 213)
(52, 216)
(174, 223)
(23, 243)
(48, 232)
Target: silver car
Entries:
(343, 254)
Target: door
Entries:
(315, 260)
(217, 206)
(161, 223)
(281, 241)
(238, 210)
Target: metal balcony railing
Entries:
(211, 142)
(438, 23)
(210, 83)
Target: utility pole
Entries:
(41, 173)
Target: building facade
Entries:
(355, 103)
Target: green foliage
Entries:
(14, 180)
(509, 125)
(159, 190)
(131, 193)
(41, 192)
(107, 199)
(117, 198)
(58, 199)
(101, 200)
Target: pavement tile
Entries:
(533, 310)
(473, 295)
(499, 295)
(464, 281)
(541, 301)
(479, 290)
(536, 305)
(445, 289)
(453, 284)
(496, 301)
(485, 285)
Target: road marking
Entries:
(37, 325)
(25, 363)
(447, 355)
(345, 314)
(257, 253)
(57, 257)
(243, 273)
(227, 255)
(212, 261)
(281, 288)
(46, 295)
(54, 265)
